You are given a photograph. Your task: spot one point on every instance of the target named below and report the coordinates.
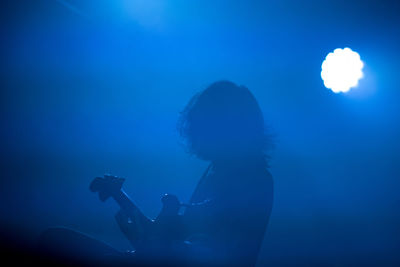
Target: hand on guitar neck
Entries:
(133, 223)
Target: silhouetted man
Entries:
(225, 221)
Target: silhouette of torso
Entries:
(234, 219)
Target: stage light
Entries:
(341, 70)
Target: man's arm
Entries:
(127, 227)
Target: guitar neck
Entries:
(129, 207)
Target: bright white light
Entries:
(341, 70)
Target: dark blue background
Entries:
(89, 87)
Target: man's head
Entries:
(224, 121)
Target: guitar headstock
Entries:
(106, 186)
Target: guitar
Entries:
(139, 229)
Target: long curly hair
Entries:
(224, 121)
